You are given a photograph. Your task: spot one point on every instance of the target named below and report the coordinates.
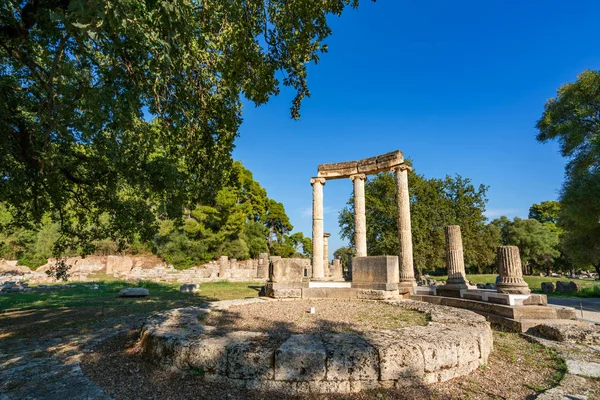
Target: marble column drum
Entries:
(317, 233)
(360, 219)
(405, 250)
(454, 257)
(511, 280)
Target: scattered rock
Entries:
(567, 287)
(547, 287)
(134, 292)
(589, 334)
(189, 288)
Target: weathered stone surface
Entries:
(189, 288)
(398, 359)
(134, 292)
(583, 368)
(301, 358)
(350, 357)
(376, 273)
(454, 262)
(571, 333)
(454, 343)
(547, 287)
(287, 270)
(509, 268)
(249, 360)
(567, 287)
(405, 249)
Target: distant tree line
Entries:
(241, 222)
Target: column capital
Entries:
(315, 180)
(358, 176)
(401, 167)
(326, 235)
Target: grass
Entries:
(82, 294)
(589, 287)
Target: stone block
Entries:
(567, 287)
(547, 287)
(398, 358)
(249, 360)
(189, 288)
(389, 160)
(287, 270)
(134, 292)
(301, 358)
(375, 273)
(350, 357)
(337, 170)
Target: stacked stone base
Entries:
(279, 291)
(454, 343)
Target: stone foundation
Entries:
(454, 343)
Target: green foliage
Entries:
(435, 203)
(573, 119)
(537, 242)
(237, 223)
(130, 109)
(546, 211)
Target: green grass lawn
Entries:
(107, 294)
(589, 287)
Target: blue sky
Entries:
(457, 86)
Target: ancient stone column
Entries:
(405, 252)
(509, 268)
(337, 272)
(455, 263)
(326, 237)
(360, 220)
(262, 270)
(223, 261)
(317, 233)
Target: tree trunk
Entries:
(597, 268)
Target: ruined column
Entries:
(455, 263)
(509, 268)
(405, 252)
(223, 261)
(317, 233)
(262, 270)
(338, 273)
(360, 220)
(326, 237)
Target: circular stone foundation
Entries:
(345, 346)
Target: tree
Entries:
(579, 217)
(345, 255)
(130, 109)
(537, 242)
(546, 211)
(277, 221)
(573, 119)
(435, 203)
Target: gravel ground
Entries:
(517, 369)
(280, 319)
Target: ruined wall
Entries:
(134, 268)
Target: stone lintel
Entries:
(367, 166)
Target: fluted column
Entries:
(405, 251)
(326, 236)
(454, 256)
(511, 280)
(360, 220)
(317, 233)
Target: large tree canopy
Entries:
(127, 109)
(573, 119)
